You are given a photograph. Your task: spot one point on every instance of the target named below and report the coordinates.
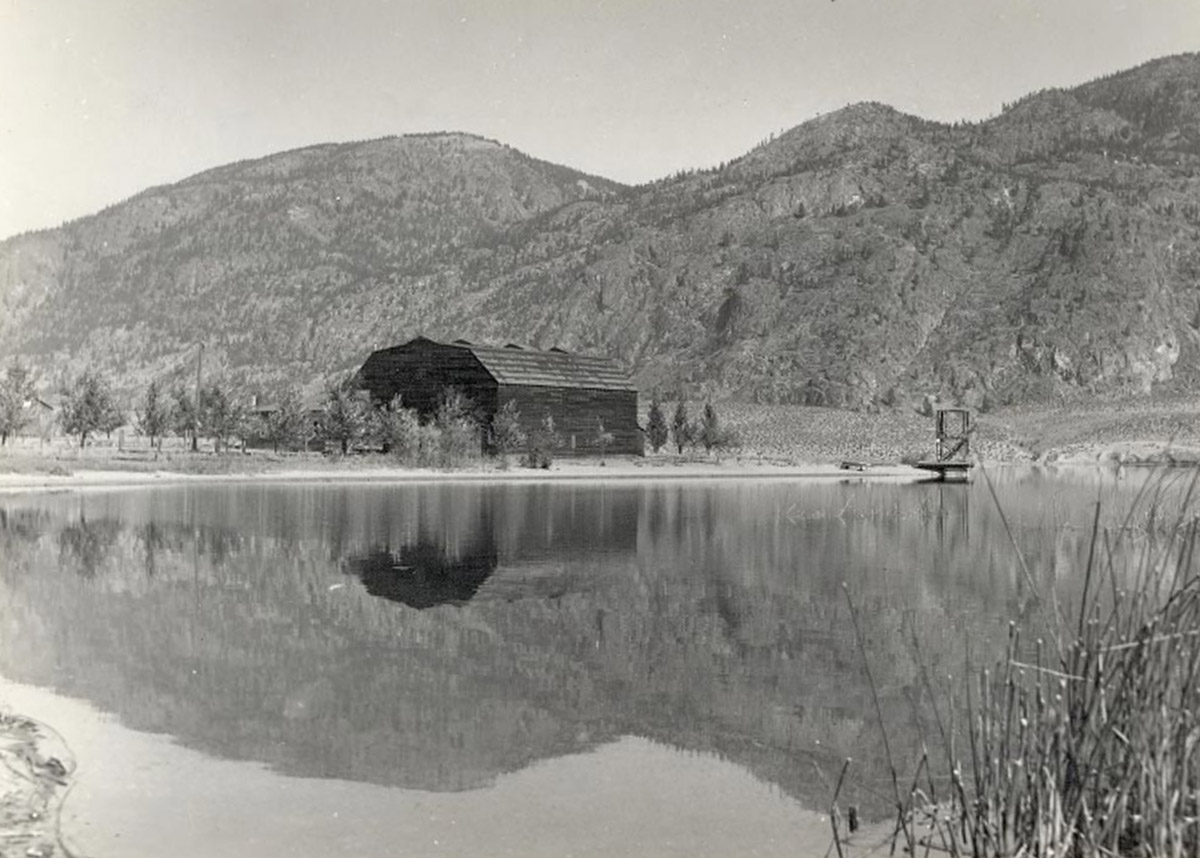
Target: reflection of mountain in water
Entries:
(423, 575)
(555, 617)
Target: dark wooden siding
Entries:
(421, 370)
(575, 412)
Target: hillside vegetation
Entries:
(865, 258)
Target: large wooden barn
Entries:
(576, 390)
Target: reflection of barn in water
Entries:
(474, 543)
(423, 575)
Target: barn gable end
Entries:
(420, 370)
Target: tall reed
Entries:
(1084, 739)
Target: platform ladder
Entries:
(952, 461)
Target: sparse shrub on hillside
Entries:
(728, 440)
(682, 429)
(153, 415)
(657, 432)
(89, 407)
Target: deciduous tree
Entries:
(345, 416)
(16, 393)
(153, 415)
(657, 432)
(400, 431)
(221, 414)
(185, 418)
(681, 426)
(710, 428)
(542, 443)
(88, 407)
(507, 434)
(456, 421)
(287, 425)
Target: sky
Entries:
(100, 99)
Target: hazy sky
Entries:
(102, 98)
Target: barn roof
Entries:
(518, 365)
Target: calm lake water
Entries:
(620, 668)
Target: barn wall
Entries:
(421, 370)
(575, 412)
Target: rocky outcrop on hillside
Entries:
(865, 258)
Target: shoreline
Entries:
(52, 474)
(778, 442)
(569, 471)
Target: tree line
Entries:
(344, 419)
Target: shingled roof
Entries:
(535, 368)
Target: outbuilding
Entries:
(580, 392)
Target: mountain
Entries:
(270, 263)
(863, 258)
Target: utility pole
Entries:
(196, 403)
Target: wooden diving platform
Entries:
(952, 461)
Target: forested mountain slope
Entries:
(864, 257)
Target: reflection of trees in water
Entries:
(707, 618)
(423, 575)
(20, 530)
(84, 546)
(153, 537)
(22, 525)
